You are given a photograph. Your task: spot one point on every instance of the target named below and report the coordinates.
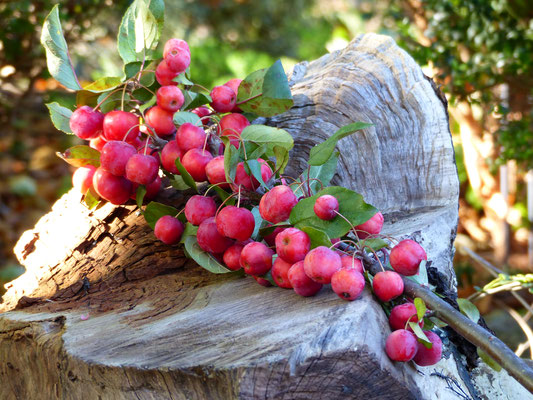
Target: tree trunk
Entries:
(106, 311)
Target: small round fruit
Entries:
(168, 229)
(326, 207)
(142, 169)
(232, 256)
(292, 245)
(249, 182)
(280, 273)
(170, 98)
(209, 239)
(115, 155)
(199, 208)
(276, 204)
(352, 262)
(165, 75)
(202, 111)
(387, 285)
(224, 99)
(119, 123)
(195, 161)
(169, 154)
(232, 125)
(86, 123)
(190, 136)
(371, 227)
(177, 55)
(215, 172)
(262, 281)
(175, 44)
(301, 283)
(160, 120)
(97, 143)
(271, 237)
(348, 283)
(256, 258)
(82, 178)
(152, 189)
(235, 223)
(321, 263)
(425, 357)
(401, 345)
(234, 85)
(402, 313)
(406, 256)
(115, 189)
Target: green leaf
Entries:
(182, 78)
(231, 159)
(57, 54)
(222, 194)
(428, 324)
(318, 173)
(259, 221)
(153, 211)
(187, 178)
(177, 182)
(438, 322)
(91, 199)
(148, 104)
(86, 98)
(351, 206)
(258, 152)
(190, 230)
(193, 100)
(202, 258)
(321, 153)
(183, 117)
(133, 68)
(112, 102)
(139, 198)
(488, 360)
(255, 168)
(422, 277)
(318, 237)
(420, 335)
(262, 134)
(282, 158)
(103, 84)
(81, 155)
(469, 309)
(375, 243)
(420, 308)
(60, 116)
(268, 91)
(142, 24)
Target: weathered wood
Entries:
(160, 327)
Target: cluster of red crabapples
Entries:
(129, 159)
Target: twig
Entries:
(520, 321)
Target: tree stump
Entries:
(106, 311)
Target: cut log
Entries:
(106, 311)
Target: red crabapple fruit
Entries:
(371, 227)
(169, 154)
(271, 237)
(280, 273)
(142, 169)
(199, 208)
(300, 282)
(425, 357)
(348, 283)
(326, 207)
(235, 223)
(209, 239)
(82, 178)
(215, 172)
(256, 258)
(190, 136)
(249, 182)
(177, 55)
(232, 256)
(262, 281)
(119, 123)
(168, 229)
(234, 85)
(195, 161)
(387, 285)
(170, 98)
(115, 189)
(276, 204)
(232, 125)
(115, 155)
(160, 120)
(152, 189)
(86, 123)
(406, 256)
(165, 75)
(401, 345)
(321, 263)
(402, 313)
(98, 142)
(292, 245)
(352, 262)
(224, 99)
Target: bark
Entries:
(106, 311)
